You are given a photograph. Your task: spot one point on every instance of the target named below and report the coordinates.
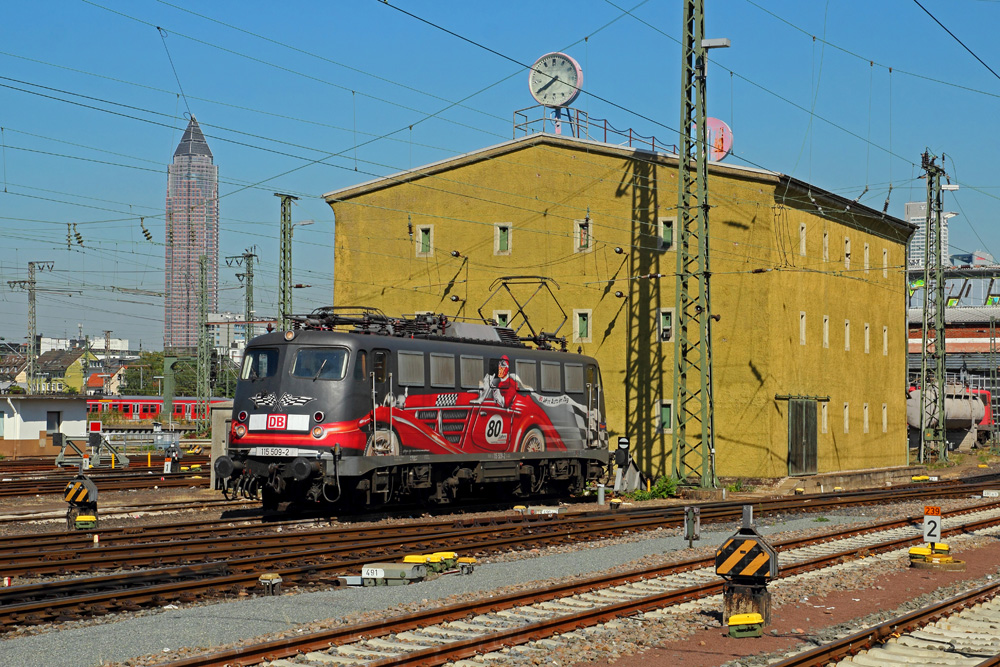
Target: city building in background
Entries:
(228, 334)
(915, 212)
(192, 230)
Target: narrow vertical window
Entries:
(665, 232)
(847, 335)
(885, 418)
(864, 423)
(802, 239)
(425, 241)
(581, 326)
(582, 241)
(847, 417)
(866, 258)
(847, 253)
(885, 341)
(802, 327)
(826, 331)
(665, 325)
(866, 338)
(665, 420)
(885, 262)
(826, 246)
(501, 239)
(822, 415)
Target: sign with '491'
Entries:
(932, 523)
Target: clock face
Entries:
(555, 80)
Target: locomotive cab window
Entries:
(320, 363)
(361, 365)
(381, 365)
(259, 363)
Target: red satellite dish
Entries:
(720, 139)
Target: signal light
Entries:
(240, 430)
(318, 432)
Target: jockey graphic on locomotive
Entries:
(364, 409)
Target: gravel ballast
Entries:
(171, 632)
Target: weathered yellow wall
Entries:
(760, 283)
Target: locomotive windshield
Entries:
(259, 363)
(320, 363)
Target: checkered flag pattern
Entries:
(262, 399)
(287, 400)
(446, 400)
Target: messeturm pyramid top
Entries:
(193, 142)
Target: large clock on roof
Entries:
(555, 80)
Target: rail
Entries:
(578, 123)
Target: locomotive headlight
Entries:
(318, 432)
(240, 430)
(289, 334)
(242, 416)
(318, 416)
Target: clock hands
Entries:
(551, 81)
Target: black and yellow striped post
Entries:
(747, 562)
(81, 494)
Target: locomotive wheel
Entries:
(533, 441)
(382, 443)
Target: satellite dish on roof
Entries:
(720, 139)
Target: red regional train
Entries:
(365, 410)
(144, 408)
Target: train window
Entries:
(574, 378)
(411, 368)
(361, 365)
(320, 363)
(259, 363)
(442, 370)
(381, 365)
(550, 376)
(527, 377)
(472, 372)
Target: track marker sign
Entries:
(932, 523)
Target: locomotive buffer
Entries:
(747, 562)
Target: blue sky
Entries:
(91, 113)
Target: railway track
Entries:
(538, 619)
(961, 630)
(199, 541)
(183, 569)
(106, 481)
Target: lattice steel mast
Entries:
(204, 343)
(285, 262)
(932, 350)
(29, 286)
(694, 437)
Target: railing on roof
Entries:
(579, 124)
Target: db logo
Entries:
(277, 422)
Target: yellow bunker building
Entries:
(809, 350)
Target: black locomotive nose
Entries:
(225, 467)
(302, 469)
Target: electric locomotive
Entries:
(354, 407)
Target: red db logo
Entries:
(277, 422)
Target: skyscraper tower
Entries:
(192, 231)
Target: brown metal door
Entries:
(801, 437)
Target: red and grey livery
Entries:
(410, 409)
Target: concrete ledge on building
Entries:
(849, 480)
